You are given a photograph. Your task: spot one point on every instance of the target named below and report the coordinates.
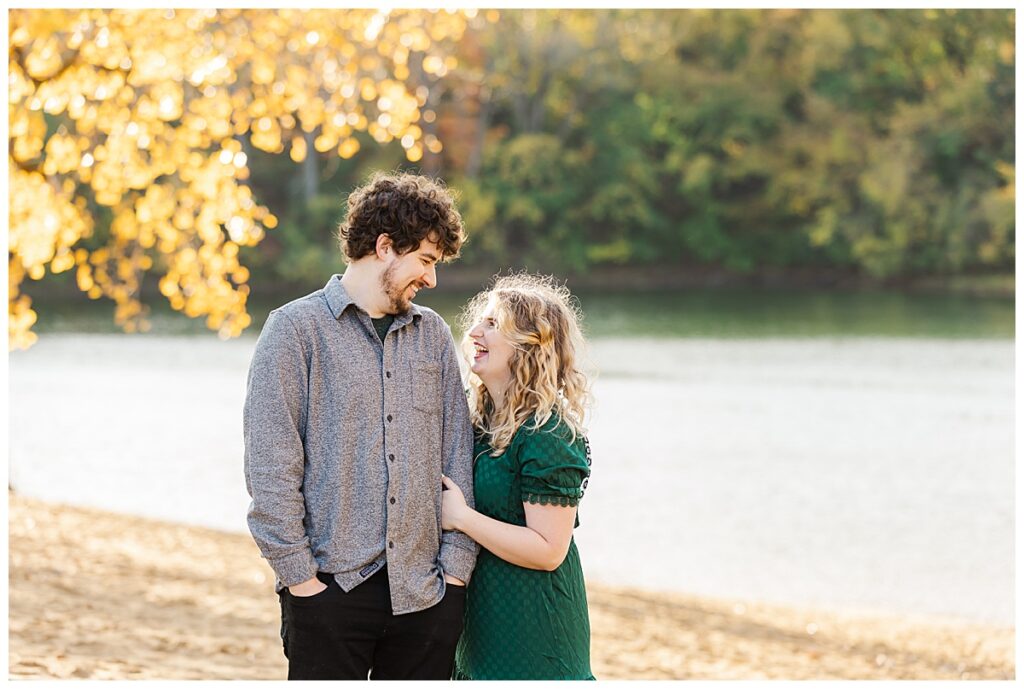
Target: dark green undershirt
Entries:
(382, 324)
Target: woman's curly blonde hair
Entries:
(542, 321)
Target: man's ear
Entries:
(384, 245)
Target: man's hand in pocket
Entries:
(307, 588)
(453, 581)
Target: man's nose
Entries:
(430, 277)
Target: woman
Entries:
(526, 611)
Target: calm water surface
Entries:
(844, 455)
(697, 313)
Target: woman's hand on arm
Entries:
(453, 505)
(541, 544)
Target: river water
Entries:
(846, 471)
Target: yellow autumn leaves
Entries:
(148, 114)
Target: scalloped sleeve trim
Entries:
(562, 500)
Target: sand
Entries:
(105, 596)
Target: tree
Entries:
(131, 132)
(877, 142)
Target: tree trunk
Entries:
(483, 121)
(310, 171)
(431, 162)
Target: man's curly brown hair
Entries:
(408, 208)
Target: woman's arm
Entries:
(541, 544)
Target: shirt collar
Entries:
(338, 300)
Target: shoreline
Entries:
(100, 595)
(628, 279)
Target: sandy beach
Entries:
(105, 596)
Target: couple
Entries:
(415, 534)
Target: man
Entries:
(354, 409)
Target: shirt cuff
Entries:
(457, 560)
(295, 568)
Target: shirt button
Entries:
(391, 544)
(392, 501)
(388, 374)
(391, 457)
(389, 417)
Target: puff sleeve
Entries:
(553, 470)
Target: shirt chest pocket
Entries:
(425, 382)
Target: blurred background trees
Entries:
(873, 143)
(131, 135)
(880, 141)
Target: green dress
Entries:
(524, 623)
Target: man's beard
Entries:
(398, 303)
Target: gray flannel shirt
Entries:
(346, 438)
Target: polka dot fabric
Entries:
(523, 623)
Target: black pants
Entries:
(338, 635)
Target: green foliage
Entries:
(768, 138)
(878, 141)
